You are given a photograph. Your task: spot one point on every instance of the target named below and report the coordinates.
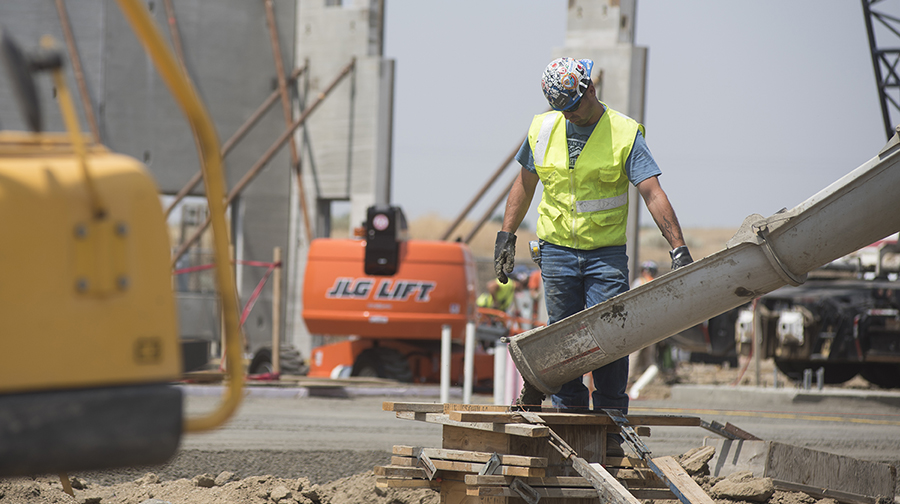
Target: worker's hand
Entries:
(680, 257)
(504, 255)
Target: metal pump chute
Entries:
(765, 254)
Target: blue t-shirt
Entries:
(639, 166)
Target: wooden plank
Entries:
(393, 471)
(397, 460)
(450, 407)
(634, 420)
(406, 483)
(470, 467)
(460, 438)
(526, 430)
(419, 407)
(824, 493)
(572, 418)
(547, 481)
(469, 456)
(545, 493)
(605, 485)
(453, 491)
(740, 433)
(485, 416)
(639, 477)
(685, 488)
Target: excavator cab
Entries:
(89, 329)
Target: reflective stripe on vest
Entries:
(543, 139)
(585, 207)
(598, 205)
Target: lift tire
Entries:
(835, 372)
(383, 362)
(262, 362)
(885, 375)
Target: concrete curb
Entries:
(320, 391)
(724, 394)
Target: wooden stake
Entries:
(276, 313)
(66, 484)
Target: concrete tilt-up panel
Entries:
(346, 142)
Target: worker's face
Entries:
(585, 111)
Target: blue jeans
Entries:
(578, 279)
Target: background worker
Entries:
(641, 360)
(501, 295)
(649, 270)
(535, 291)
(584, 154)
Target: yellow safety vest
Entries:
(587, 207)
(504, 299)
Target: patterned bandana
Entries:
(565, 80)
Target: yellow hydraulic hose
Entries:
(208, 143)
(70, 118)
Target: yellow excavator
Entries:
(90, 347)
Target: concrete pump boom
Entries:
(765, 254)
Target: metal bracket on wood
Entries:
(491, 466)
(528, 494)
(426, 464)
(717, 428)
(728, 430)
(662, 472)
(608, 488)
(629, 434)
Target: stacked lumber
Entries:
(493, 454)
(638, 480)
(427, 464)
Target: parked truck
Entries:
(380, 302)
(844, 320)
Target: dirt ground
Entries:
(226, 488)
(223, 488)
(309, 477)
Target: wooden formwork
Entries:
(493, 455)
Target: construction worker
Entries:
(501, 295)
(641, 360)
(649, 270)
(584, 154)
(535, 288)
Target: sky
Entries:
(751, 107)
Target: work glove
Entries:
(504, 255)
(530, 398)
(680, 257)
